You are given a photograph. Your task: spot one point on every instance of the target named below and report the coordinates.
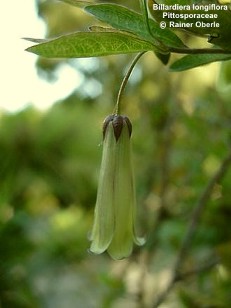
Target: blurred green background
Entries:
(49, 165)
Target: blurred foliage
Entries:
(49, 163)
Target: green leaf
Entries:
(34, 40)
(122, 18)
(91, 44)
(195, 60)
(77, 3)
(162, 57)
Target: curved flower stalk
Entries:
(114, 218)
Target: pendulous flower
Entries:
(114, 217)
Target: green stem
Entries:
(144, 10)
(125, 81)
(143, 5)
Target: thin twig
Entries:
(195, 218)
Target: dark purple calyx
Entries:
(118, 122)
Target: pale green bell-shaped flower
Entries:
(114, 218)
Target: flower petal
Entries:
(104, 218)
(124, 199)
